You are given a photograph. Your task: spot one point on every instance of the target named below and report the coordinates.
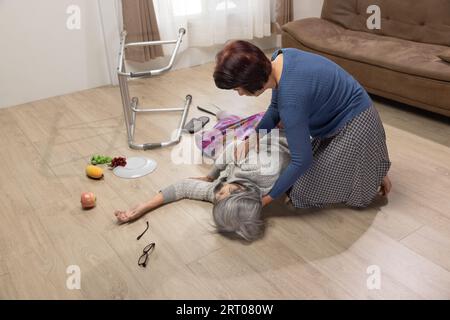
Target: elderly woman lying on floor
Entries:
(235, 186)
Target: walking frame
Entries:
(130, 106)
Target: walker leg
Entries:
(131, 106)
(154, 145)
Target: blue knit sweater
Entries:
(315, 98)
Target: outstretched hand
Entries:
(123, 216)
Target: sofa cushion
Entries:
(426, 21)
(405, 56)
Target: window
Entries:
(187, 7)
(226, 4)
(194, 7)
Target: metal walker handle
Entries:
(147, 73)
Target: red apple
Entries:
(87, 200)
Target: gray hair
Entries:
(240, 214)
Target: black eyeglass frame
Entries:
(146, 252)
(140, 236)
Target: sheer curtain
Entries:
(283, 13)
(210, 22)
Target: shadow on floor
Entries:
(331, 230)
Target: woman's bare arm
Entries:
(139, 210)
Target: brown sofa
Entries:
(399, 61)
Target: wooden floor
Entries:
(305, 254)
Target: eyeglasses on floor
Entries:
(143, 259)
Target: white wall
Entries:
(40, 57)
(307, 8)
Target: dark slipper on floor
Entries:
(196, 124)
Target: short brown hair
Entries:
(242, 64)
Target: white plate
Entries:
(136, 167)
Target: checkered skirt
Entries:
(347, 168)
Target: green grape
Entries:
(99, 159)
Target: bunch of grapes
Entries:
(118, 161)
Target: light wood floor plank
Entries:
(432, 244)
(78, 242)
(8, 292)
